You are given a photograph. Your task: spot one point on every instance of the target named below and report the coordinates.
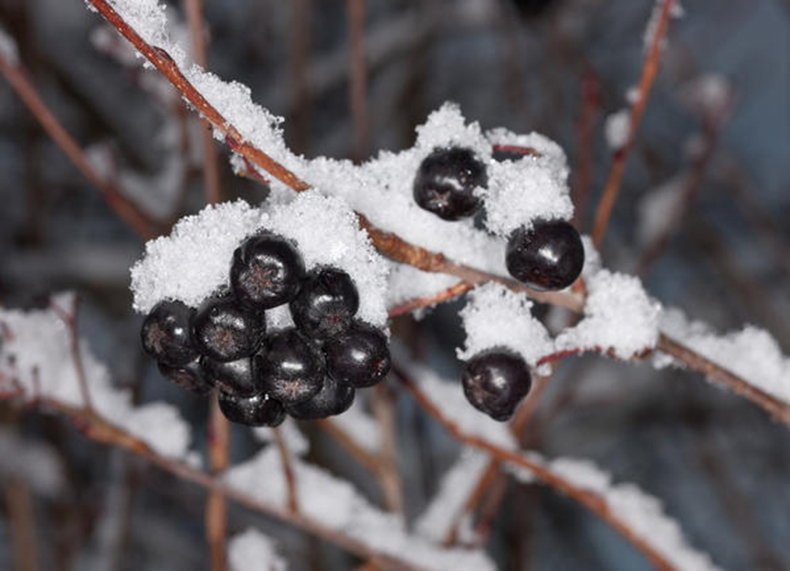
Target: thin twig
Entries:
(21, 517)
(649, 74)
(448, 294)
(288, 471)
(128, 212)
(585, 149)
(216, 508)
(590, 500)
(358, 94)
(70, 320)
(389, 476)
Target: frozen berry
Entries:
(495, 381)
(550, 256)
(166, 334)
(225, 331)
(233, 377)
(189, 376)
(291, 370)
(446, 180)
(257, 410)
(360, 357)
(326, 304)
(333, 399)
(266, 272)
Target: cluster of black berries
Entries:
(308, 371)
(547, 256)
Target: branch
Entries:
(649, 73)
(290, 479)
(216, 515)
(358, 94)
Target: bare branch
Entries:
(290, 478)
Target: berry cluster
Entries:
(547, 256)
(308, 371)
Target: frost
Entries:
(36, 352)
(253, 550)
(641, 513)
(498, 317)
(618, 316)
(337, 505)
(750, 353)
(8, 48)
(617, 128)
(454, 490)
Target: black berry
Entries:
(360, 357)
(266, 272)
(495, 381)
(189, 376)
(166, 334)
(445, 182)
(258, 410)
(225, 331)
(550, 256)
(333, 399)
(233, 377)
(326, 304)
(290, 370)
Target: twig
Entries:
(389, 476)
(129, 213)
(369, 461)
(216, 508)
(70, 320)
(288, 471)
(19, 510)
(358, 94)
(452, 292)
(590, 500)
(649, 74)
(300, 88)
(584, 148)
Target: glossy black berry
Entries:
(333, 399)
(224, 330)
(495, 381)
(189, 376)
(267, 271)
(445, 183)
(258, 410)
(359, 357)
(550, 256)
(166, 334)
(290, 369)
(326, 304)
(233, 377)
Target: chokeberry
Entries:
(495, 381)
(549, 256)
(446, 180)
(326, 304)
(225, 331)
(359, 357)
(266, 272)
(257, 410)
(166, 334)
(290, 369)
(233, 377)
(189, 376)
(333, 399)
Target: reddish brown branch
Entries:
(649, 74)
(127, 211)
(216, 507)
(452, 292)
(358, 94)
(288, 471)
(389, 476)
(585, 149)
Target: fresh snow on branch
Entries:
(36, 353)
(251, 549)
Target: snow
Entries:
(618, 316)
(494, 316)
(642, 513)
(675, 11)
(617, 128)
(750, 353)
(337, 505)
(454, 490)
(251, 549)
(36, 463)
(8, 48)
(294, 440)
(360, 426)
(36, 352)
(658, 208)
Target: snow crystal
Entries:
(618, 315)
(639, 511)
(617, 128)
(495, 316)
(336, 504)
(750, 353)
(454, 490)
(8, 48)
(252, 549)
(36, 352)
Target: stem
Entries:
(290, 479)
(358, 94)
(216, 508)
